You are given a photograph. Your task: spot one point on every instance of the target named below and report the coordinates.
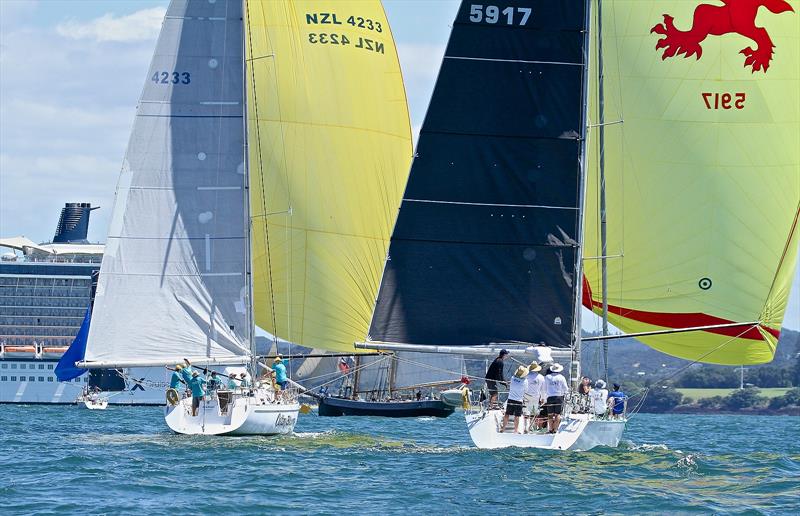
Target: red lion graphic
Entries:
(736, 16)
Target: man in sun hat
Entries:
(535, 394)
(556, 388)
(176, 379)
(494, 375)
(516, 392)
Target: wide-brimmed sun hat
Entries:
(556, 368)
(178, 367)
(521, 372)
(534, 367)
(277, 360)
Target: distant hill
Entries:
(629, 359)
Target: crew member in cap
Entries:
(176, 379)
(616, 400)
(535, 395)
(494, 375)
(556, 387)
(516, 392)
(197, 384)
(598, 398)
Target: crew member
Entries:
(176, 379)
(516, 392)
(535, 395)
(198, 386)
(494, 375)
(557, 388)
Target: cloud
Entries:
(65, 117)
(139, 26)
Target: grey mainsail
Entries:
(173, 281)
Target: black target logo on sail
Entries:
(704, 283)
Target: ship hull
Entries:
(32, 381)
(577, 432)
(244, 415)
(333, 407)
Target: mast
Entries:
(603, 235)
(248, 265)
(575, 370)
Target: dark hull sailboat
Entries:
(333, 406)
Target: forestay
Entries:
(486, 244)
(173, 278)
(702, 175)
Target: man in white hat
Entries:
(516, 392)
(557, 388)
(535, 395)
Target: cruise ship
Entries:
(45, 290)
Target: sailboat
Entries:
(266, 162)
(402, 384)
(571, 155)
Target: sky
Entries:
(71, 72)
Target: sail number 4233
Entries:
(724, 100)
(171, 78)
(492, 14)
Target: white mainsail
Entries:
(173, 281)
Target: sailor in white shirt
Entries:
(557, 388)
(516, 392)
(598, 398)
(535, 396)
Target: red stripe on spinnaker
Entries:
(678, 320)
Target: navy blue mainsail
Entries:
(485, 248)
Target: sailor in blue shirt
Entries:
(280, 373)
(186, 372)
(616, 399)
(198, 386)
(176, 380)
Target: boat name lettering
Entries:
(331, 19)
(493, 14)
(284, 420)
(171, 78)
(324, 38)
(723, 100)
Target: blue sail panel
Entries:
(65, 369)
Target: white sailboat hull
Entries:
(94, 404)
(245, 416)
(576, 432)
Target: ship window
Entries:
(50, 366)
(86, 380)
(41, 366)
(13, 378)
(4, 366)
(41, 378)
(3, 378)
(13, 366)
(49, 378)
(31, 378)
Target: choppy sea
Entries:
(62, 459)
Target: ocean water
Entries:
(62, 459)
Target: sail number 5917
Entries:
(724, 100)
(492, 14)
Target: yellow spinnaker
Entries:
(330, 149)
(703, 175)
